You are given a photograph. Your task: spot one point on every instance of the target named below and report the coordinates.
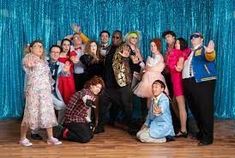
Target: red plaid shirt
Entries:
(76, 110)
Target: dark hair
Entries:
(66, 39)
(183, 43)
(56, 46)
(94, 81)
(157, 41)
(117, 32)
(167, 33)
(161, 83)
(104, 31)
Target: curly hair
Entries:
(94, 81)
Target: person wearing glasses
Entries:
(199, 76)
(110, 94)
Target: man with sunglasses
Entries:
(199, 75)
(112, 92)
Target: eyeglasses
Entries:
(75, 37)
(195, 36)
(116, 37)
(54, 52)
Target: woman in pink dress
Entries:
(174, 63)
(39, 109)
(152, 71)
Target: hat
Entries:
(196, 35)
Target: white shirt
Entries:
(188, 67)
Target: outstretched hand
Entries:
(76, 28)
(210, 47)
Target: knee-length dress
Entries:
(176, 77)
(156, 65)
(39, 109)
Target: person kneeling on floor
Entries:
(158, 126)
(77, 125)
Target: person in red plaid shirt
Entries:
(77, 122)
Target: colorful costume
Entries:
(39, 109)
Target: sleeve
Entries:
(72, 103)
(28, 57)
(84, 38)
(147, 121)
(85, 60)
(163, 104)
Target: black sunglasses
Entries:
(195, 36)
(117, 37)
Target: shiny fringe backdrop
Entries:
(22, 21)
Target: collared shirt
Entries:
(188, 69)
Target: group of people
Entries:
(85, 84)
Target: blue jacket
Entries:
(203, 65)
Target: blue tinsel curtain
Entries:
(50, 20)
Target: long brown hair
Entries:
(97, 56)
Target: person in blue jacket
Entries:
(158, 125)
(199, 76)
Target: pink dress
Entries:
(144, 88)
(39, 109)
(176, 77)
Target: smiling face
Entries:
(133, 39)
(96, 89)
(37, 49)
(196, 40)
(77, 40)
(116, 39)
(157, 89)
(55, 53)
(153, 48)
(104, 38)
(177, 44)
(65, 46)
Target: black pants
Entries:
(79, 80)
(201, 103)
(78, 132)
(117, 97)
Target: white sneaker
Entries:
(25, 142)
(53, 141)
